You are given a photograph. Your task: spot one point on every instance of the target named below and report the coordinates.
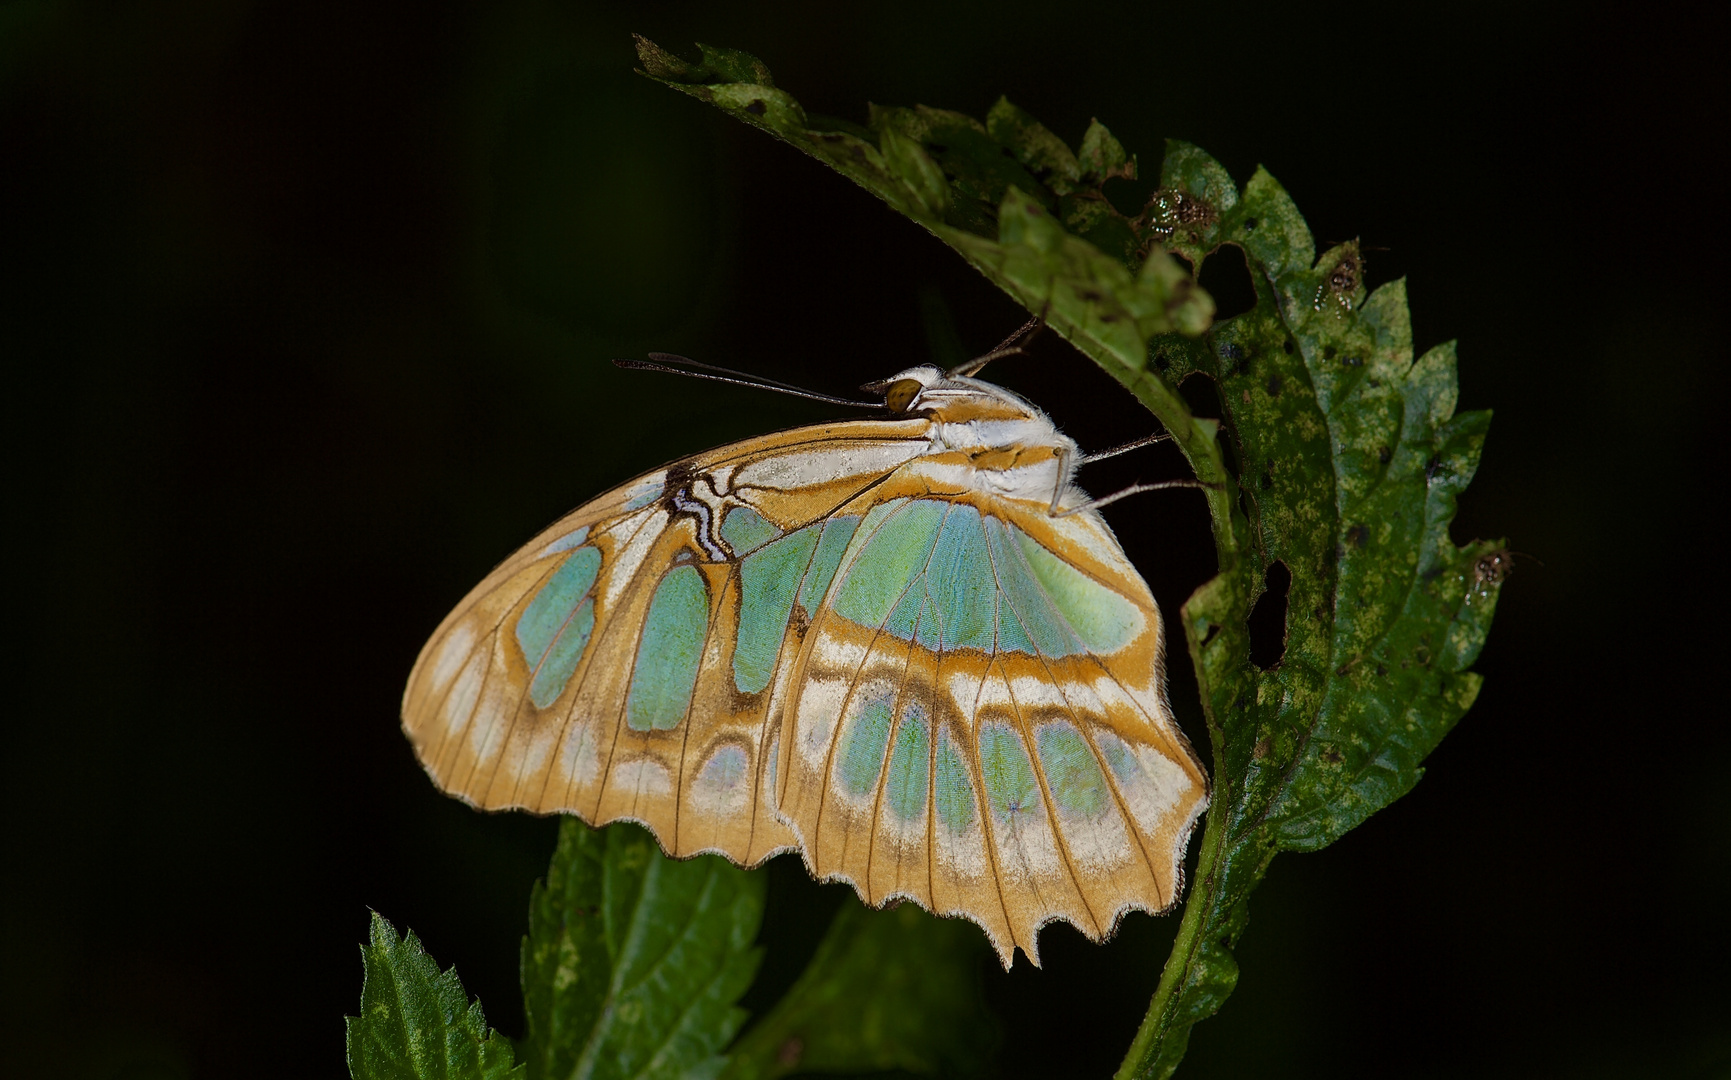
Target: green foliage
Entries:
(1350, 460)
(1035, 220)
(417, 1023)
(632, 967)
(633, 961)
(891, 989)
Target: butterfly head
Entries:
(902, 391)
(927, 391)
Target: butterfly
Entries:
(907, 647)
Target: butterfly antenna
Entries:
(675, 359)
(665, 362)
(1014, 345)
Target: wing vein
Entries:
(1124, 807)
(853, 684)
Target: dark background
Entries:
(306, 315)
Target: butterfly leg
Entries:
(1137, 444)
(1133, 489)
(1064, 470)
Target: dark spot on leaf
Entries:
(1268, 618)
(1287, 346)
(1109, 317)
(1341, 279)
(1355, 361)
(1034, 209)
(1162, 362)
(1422, 656)
(1328, 352)
(1432, 574)
(1381, 669)
(1209, 635)
(757, 107)
(1358, 535)
(1249, 224)
(1169, 209)
(1089, 295)
(1264, 746)
(1432, 468)
(1274, 385)
(1332, 756)
(1491, 569)
(1268, 476)
(1231, 351)
(1226, 278)
(1374, 383)
(1383, 454)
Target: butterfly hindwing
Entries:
(980, 727)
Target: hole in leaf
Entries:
(1226, 278)
(1183, 263)
(1268, 618)
(1229, 453)
(1201, 395)
(1126, 196)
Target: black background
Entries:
(306, 315)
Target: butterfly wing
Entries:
(980, 725)
(631, 661)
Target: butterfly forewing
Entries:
(629, 661)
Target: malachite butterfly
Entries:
(881, 643)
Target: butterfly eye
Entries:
(901, 394)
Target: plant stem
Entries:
(1145, 1053)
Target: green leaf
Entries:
(1035, 147)
(1350, 459)
(980, 187)
(895, 989)
(634, 961)
(417, 1023)
(1103, 157)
